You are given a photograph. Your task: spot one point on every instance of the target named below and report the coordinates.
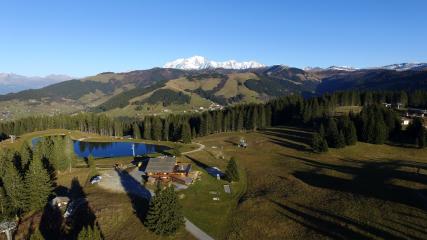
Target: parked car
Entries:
(95, 179)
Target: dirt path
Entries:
(201, 147)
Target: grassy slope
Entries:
(209, 215)
(363, 191)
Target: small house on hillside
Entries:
(160, 166)
(167, 168)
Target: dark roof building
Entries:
(164, 164)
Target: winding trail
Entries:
(201, 147)
(189, 226)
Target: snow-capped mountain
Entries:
(10, 82)
(331, 68)
(342, 68)
(199, 62)
(396, 67)
(405, 66)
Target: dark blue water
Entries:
(111, 149)
(114, 149)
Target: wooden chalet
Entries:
(166, 167)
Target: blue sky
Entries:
(84, 37)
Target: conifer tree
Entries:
(341, 140)
(350, 133)
(38, 185)
(136, 131)
(417, 132)
(26, 155)
(14, 187)
(156, 129)
(5, 210)
(319, 143)
(240, 121)
(147, 128)
(232, 171)
(332, 134)
(164, 215)
(165, 130)
(186, 133)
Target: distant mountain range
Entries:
(10, 82)
(199, 62)
(200, 85)
(397, 67)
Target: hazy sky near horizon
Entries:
(81, 37)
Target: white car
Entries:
(95, 179)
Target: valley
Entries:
(165, 90)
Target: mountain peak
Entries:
(200, 62)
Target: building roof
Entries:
(164, 164)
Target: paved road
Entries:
(196, 232)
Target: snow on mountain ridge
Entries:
(396, 67)
(405, 66)
(199, 62)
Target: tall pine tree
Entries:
(38, 185)
(232, 171)
(164, 215)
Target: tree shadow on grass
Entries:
(52, 223)
(338, 227)
(84, 216)
(300, 141)
(295, 136)
(198, 163)
(139, 195)
(369, 178)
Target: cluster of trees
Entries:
(85, 122)
(417, 98)
(338, 133)
(290, 110)
(374, 124)
(417, 133)
(25, 181)
(164, 215)
(27, 176)
(377, 124)
(186, 127)
(166, 97)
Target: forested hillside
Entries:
(375, 124)
(137, 93)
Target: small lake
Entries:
(112, 149)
